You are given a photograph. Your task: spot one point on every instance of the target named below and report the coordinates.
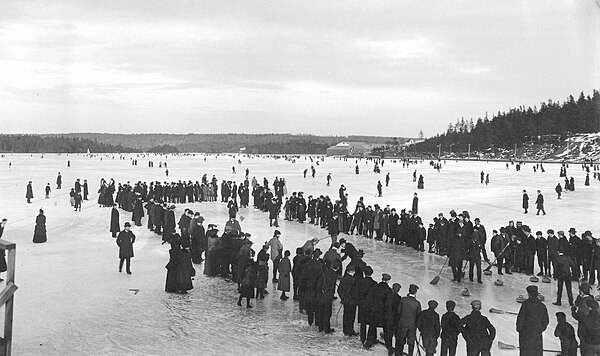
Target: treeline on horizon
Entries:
(230, 142)
(552, 122)
(56, 144)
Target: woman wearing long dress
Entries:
(285, 268)
(115, 226)
(179, 269)
(39, 233)
(211, 265)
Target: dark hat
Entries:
(585, 287)
(127, 224)
(211, 226)
(386, 277)
(560, 232)
(368, 271)
(412, 289)
(317, 253)
(350, 268)
(539, 233)
(526, 228)
(561, 316)
(450, 304)
(550, 231)
(396, 286)
(572, 230)
(277, 232)
(452, 213)
(200, 218)
(360, 253)
(342, 241)
(336, 245)
(532, 290)
(476, 302)
(588, 233)
(432, 304)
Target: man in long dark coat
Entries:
(115, 226)
(326, 291)
(376, 303)
(58, 181)
(407, 314)
(345, 291)
(532, 321)
(478, 332)
(29, 194)
(525, 201)
(311, 272)
(125, 242)
(363, 286)
(85, 189)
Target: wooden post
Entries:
(8, 309)
(7, 296)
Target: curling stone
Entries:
(465, 293)
(546, 279)
(521, 299)
(487, 273)
(534, 279)
(498, 282)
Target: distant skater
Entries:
(39, 233)
(379, 186)
(525, 201)
(487, 179)
(59, 181)
(48, 190)
(328, 179)
(387, 179)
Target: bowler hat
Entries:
(572, 230)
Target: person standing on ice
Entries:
(415, 176)
(532, 321)
(328, 179)
(379, 186)
(48, 190)
(39, 232)
(276, 253)
(478, 332)
(564, 265)
(525, 201)
(481, 175)
(387, 179)
(487, 179)
(415, 204)
(407, 313)
(29, 193)
(125, 241)
(115, 227)
(539, 203)
(59, 181)
(558, 190)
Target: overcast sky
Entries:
(329, 67)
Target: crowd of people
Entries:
(313, 274)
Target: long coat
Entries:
(179, 270)
(456, 251)
(532, 321)
(285, 268)
(39, 233)
(525, 201)
(376, 302)
(363, 286)
(114, 221)
(125, 242)
(29, 194)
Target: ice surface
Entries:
(72, 300)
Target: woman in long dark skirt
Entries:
(211, 265)
(179, 269)
(39, 233)
(246, 287)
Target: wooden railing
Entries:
(7, 296)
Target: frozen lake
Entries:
(72, 300)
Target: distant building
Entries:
(349, 149)
(412, 141)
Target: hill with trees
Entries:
(56, 144)
(550, 124)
